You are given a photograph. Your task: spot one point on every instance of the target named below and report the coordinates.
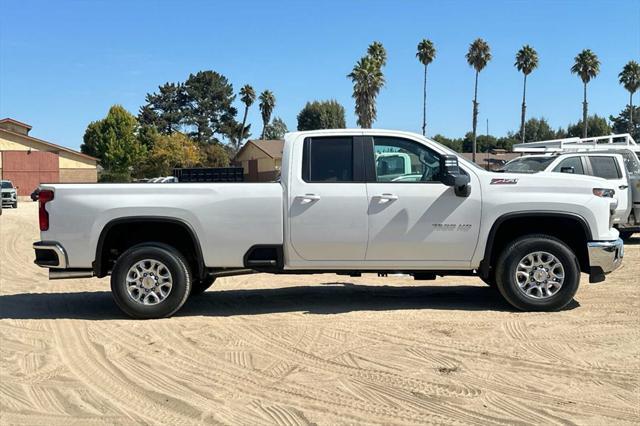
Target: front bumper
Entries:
(8, 201)
(604, 257)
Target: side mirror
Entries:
(452, 176)
(567, 170)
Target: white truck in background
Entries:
(613, 157)
(331, 211)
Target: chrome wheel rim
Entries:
(149, 282)
(539, 275)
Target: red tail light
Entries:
(44, 197)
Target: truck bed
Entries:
(228, 218)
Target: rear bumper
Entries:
(604, 257)
(50, 254)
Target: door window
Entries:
(572, 163)
(605, 167)
(405, 161)
(328, 160)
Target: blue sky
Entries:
(63, 63)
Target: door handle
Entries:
(623, 186)
(385, 198)
(308, 198)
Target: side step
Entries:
(63, 274)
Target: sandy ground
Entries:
(325, 349)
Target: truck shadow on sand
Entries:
(328, 298)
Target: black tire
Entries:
(625, 235)
(174, 263)
(200, 286)
(15, 205)
(508, 262)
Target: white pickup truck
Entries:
(528, 236)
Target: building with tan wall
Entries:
(261, 160)
(29, 161)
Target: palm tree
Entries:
(478, 56)
(587, 66)
(267, 103)
(426, 54)
(630, 79)
(367, 81)
(526, 62)
(377, 51)
(248, 97)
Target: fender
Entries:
(485, 263)
(97, 263)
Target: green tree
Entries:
(537, 129)
(209, 106)
(478, 56)
(630, 79)
(454, 144)
(587, 66)
(596, 126)
(215, 155)
(267, 104)
(377, 51)
(113, 140)
(321, 115)
(169, 152)
(248, 97)
(526, 62)
(426, 54)
(368, 79)
(276, 129)
(628, 119)
(164, 110)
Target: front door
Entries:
(328, 202)
(412, 215)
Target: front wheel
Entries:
(538, 273)
(150, 281)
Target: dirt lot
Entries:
(263, 349)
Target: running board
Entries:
(63, 274)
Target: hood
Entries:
(8, 190)
(547, 181)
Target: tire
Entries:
(625, 235)
(142, 298)
(548, 247)
(15, 205)
(200, 286)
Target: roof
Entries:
(16, 122)
(272, 147)
(49, 144)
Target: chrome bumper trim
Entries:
(54, 247)
(605, 256)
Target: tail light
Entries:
(44, 197)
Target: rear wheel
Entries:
(200, 286)
(538, 273)
(150, 281)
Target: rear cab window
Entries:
(328, 159)
(605, 167)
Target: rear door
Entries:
(328, 201)
(611, 167)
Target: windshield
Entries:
(527, 164)
(6, 184)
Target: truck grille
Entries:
(6, 195)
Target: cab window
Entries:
(404, 161)
(570, 165)
(328, 160)
(605, 167)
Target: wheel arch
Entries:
(495, 240)
(101, 262)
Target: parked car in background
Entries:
(9, 194)
(613, 158)
(527, 236)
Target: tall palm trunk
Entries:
(424, 103)
(244, 121)
(630, 112)
(584, 113)
(524, 109)
(475, 119)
